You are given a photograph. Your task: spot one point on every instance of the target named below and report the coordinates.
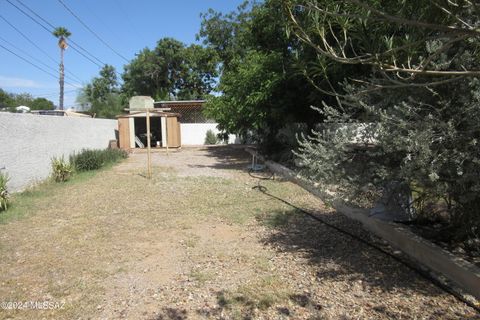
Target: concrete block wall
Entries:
(193, 134)
(28, 143)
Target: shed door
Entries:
(173, 132)
(124, 133)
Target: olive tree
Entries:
(412, 117)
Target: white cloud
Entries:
(10, 82)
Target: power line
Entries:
(29, 62)
(37, 60)
(34, 65)
(52, 29)
(28, 55)
(43, 95)
(36, 14)
(28, 39)
(36, 46)
(74, 48)
(95, 17)
(75, 45)
(32, 18)
(127, 18)
(91, 31)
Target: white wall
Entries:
(28, 142)
(194, 133)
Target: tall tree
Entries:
(11, 101)
(62, 34)
(198, 72)
(100, 87)
(418, 100)
(260, 91)
(171, 71)
(103, 94)
(6, 99)
(41, 104)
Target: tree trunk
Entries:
(62, 76)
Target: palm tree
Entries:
(62, 34)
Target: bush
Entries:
(211, 138)
(95, 159)
(87, 160)
(61, 170)
(4, 197)
(428, 145)
(113, 155)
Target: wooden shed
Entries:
(164, 130)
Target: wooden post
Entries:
(149, 160)
(166, 132)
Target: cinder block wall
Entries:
(28, 143)
(194, 133)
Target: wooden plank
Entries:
(172, 129)
(179, 135)
(124, 133)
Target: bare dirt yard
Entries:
(197, 242)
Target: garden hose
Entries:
(409, 265)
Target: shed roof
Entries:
(182, 104)
(179, 102)
(153, 113)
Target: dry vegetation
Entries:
(197, 242)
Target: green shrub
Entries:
(113, 155)
(61, 170)
(4, 197)
(87, 160)
(95, 159)
(211, 138)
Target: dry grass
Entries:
(112, 244)
(249, 300)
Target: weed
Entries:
(61, 170)
(262, 294)
(4, 196)
(211, 138)
(192, 241)
(262, 263)
(95, 159)
(201, 277)
(31, 199)
(275, 219)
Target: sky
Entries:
(122, 27)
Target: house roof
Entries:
(66, 113)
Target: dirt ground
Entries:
(197, 242)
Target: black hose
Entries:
(409, 265)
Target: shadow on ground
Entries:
(171, 314)
(340, 257)
(335, 258)
(228, 157)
